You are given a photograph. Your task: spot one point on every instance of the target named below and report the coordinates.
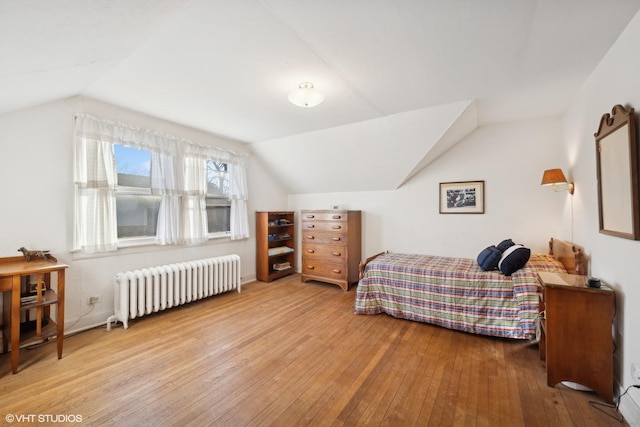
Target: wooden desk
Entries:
(12, 269)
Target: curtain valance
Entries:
(122, 133)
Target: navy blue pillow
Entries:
(513, 259)
(489, 257)
(505, 244)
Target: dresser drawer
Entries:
(335, 254)
(324, 269)
(324, 216)
(334, 239)
(330, 246)
(324, 226)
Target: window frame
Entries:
(127, 241)
(219, 195)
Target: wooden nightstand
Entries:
(576, 332)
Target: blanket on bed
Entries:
(454, 293)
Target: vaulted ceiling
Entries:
(227, 66)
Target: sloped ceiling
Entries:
(377, 154)
(51, 50)
(227, 66)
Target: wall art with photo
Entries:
(465, 197)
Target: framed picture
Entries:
(33, 287)
(466, 197)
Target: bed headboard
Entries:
(570, 255)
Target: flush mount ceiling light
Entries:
(306, 96)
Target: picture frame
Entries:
(33, 287)
(617, 174)
(462, 197)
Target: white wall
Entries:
(37, 193)
(615, 260)
(510, 158)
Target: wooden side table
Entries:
(576, 332)
(12, 269)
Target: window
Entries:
(137, 209)
(138, 183)
(217, 200)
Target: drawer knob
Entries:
(337, 239)
(310, 251)
(310, 267)
(336, 217)
(336, 254)
(310, 237)
(311, 216)
(335, 270)
(337, 227)
(310, 226)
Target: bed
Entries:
(456, 293)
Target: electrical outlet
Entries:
(635, 373)
(94, 300)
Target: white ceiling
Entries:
(226, 66)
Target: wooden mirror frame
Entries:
(617, 174)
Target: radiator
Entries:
(148, 290)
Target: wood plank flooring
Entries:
(290, 354)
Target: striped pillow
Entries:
(513, 259)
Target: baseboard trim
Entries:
(630, 409)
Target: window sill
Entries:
(135, 242)
(147, 241)
(129, 245)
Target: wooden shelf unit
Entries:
(275, 230)
(12, 272)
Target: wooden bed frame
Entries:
(569, 254)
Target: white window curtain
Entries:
(95, 180)
(167, 181)
(194, 224)
(178, 174)
(239, 195)
(239, 221)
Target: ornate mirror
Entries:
(617, 169)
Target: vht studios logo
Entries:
(43, 418)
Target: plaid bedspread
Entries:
(454, 293)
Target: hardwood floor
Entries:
(289, 354)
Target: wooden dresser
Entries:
(331, 246)
(576, 339)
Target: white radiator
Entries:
(145, 291)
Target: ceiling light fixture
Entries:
(306, 96)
